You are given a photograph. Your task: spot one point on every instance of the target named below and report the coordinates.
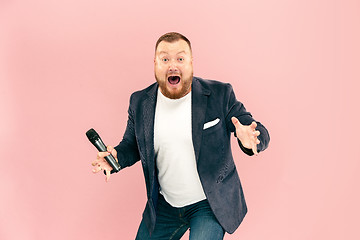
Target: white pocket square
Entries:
(211, 123)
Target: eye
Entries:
(165, 60)
(181, 59)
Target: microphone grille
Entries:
(92, 135)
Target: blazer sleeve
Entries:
(127, 150)
(234, 108)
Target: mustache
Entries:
(173, 75)
(173, 72)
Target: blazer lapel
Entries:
(149, 105)
(198, 110)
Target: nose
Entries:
(173, 67)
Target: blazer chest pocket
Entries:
(212, 125)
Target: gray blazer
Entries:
(211, 101)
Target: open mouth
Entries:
(173, 80)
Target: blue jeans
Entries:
(172, 223)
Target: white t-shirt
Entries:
(175, 157)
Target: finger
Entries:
(236, 122)
(97, 169)
(114, 153)
(109, 148)
(107, 175)
(102, 154)
(254, 148)
(256, 133)
(94, 163)
(253, 125)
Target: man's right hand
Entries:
(101, 164)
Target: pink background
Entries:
(67, 66)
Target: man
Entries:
(179, 128)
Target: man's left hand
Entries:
(247, 134)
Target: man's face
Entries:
(173, 68)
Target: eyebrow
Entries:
(163, 52)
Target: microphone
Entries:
(95, 139)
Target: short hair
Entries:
(172, 37)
